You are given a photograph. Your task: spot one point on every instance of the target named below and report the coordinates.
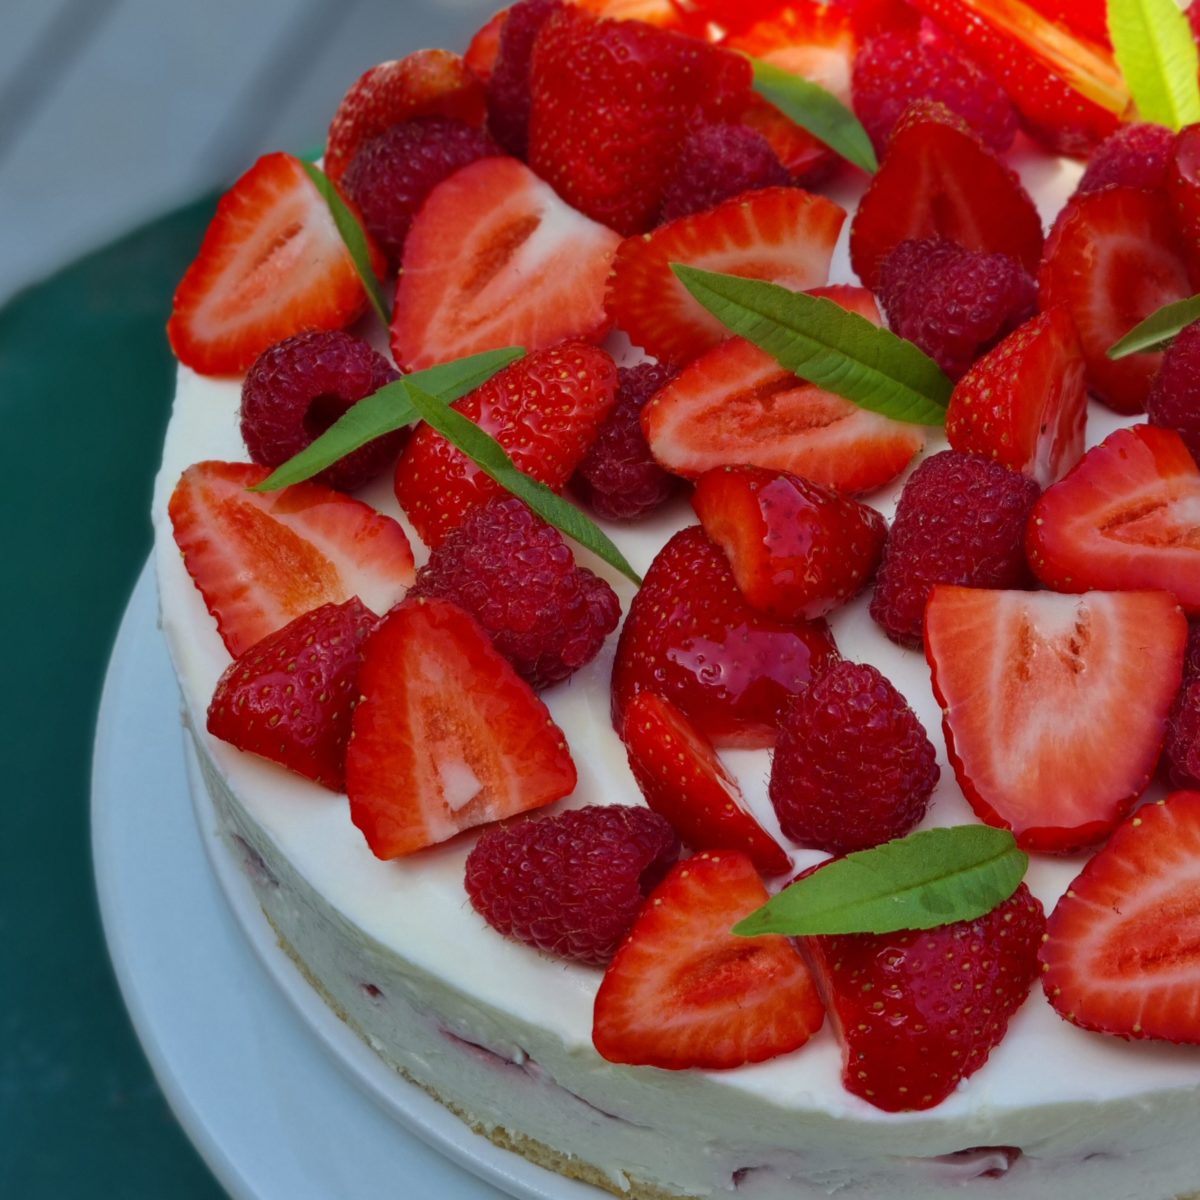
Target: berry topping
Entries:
(508, 88)
(917, 1012)
(953, 303)
(545, 410)
(1181, 753)
(570, 884)
(682, 991)
(961, 519)
(1054, 707)
(1174, 399)
(517, 577)
(691, 638)
(289, 697)
(298, 388)
(853, 766)
(1135, 156)
(446, 736)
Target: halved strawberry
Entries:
(782, 234)
(1120, 955)
(272, 264)
(447, 735)
(737, 405)
(667, 14)
(682, 991)
(427, 83)
(682, 779)
(1087, 19)
(1112, 259)
(938, 180)
(545, 410)
(1024, 404)
(494, 258)
(1054, 707)
(1183, 194)
(480, 58)
(263, 558)
(1126, 518)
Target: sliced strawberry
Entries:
(428, 83)
(263, 558)
(798, 550)
(447, 735)
(1120, 955)
(682, 991)
(691, 638)
(1024, 404)
(801, 154)
(1183, 194)
(938, 180)
(1086, 19)
(782, 234)
(1126, 518)
(494, 258)
(272, 264)
(736, 404)
(1068, 89)
(1112, 260)
(1054, 707)
(545, 410)
(480, 58)
(666, 14)
(682, 779)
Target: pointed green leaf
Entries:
(1158, 329)
(1157, 55)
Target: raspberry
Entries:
(894, 69)
(618, 476)
(961, 519)
(954, 303)
(853, 766)
(718, 162)
(517, 577)
(1134, 156)
(571, 884)
(299, 387)
(508, 88)
(1191, 657)
(1174, 399)
(390, 175)
(1181, 753)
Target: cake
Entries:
(502, 1034)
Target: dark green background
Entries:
(86, 381)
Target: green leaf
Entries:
(1158, 329)
(352, 234)
(490, 457)
(931, 878)
(1157, 55)
(820, 341)
(385, 411)
(820, 112)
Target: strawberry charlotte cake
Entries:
(871, 635)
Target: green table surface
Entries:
(86, 381)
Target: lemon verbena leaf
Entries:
(1157, 55)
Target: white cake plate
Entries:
(282, 1100)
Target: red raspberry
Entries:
(961, 519)
(894, 69)
(517, 577)
(508, 88)
(1181, 754)
(571, 884)
(1174, 399)
(1191, 657)
(1134, 156)
(716, 163)
(390, 175)
(297, 388)
(853, 766)
(618, 476)
(289, 697)
(956, 304)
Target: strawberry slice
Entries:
(736, 404)
(428, 83)
(447, 735)
(1183, 194)
(691, 638)
(1126, 518)
(682, 779)
(1112, 259)
(1086, 19)
(261, 559)
(272, 264)
(545, 410)
(484, 48)
(494, 258)
(1120, 955)
(1054, 707)
(938, 180)
(682, 991)
(781, 233)
(1024, 404)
